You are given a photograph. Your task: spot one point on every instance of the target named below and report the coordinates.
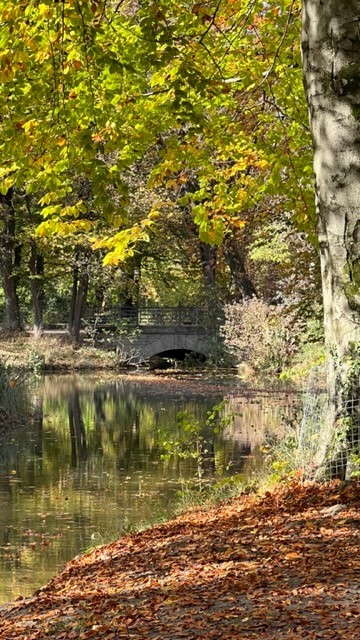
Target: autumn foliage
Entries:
(285, 565)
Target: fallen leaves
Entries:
(256, 568)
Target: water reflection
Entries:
(89, 465)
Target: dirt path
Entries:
(285, 566)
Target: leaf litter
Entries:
(282, 565)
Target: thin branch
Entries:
(214, 61)
(212, 22)
(283, 113)
(281, 42)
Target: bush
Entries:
(310, 353)
(259, 334)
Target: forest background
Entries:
(159, 154)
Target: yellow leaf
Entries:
(29, 126)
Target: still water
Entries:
(89, 465)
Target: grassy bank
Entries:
(52, 354)
(282, 565)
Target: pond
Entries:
(89, 466)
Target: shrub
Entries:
(259, 334)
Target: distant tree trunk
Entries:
(10, 259)
(208, 262)
(79, 293)
(331, 63)
(234, 256)
(133, 283)
(36, 268)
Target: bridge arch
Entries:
(153, 345)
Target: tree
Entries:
(36, 269)
(331, 63)
(61, 66)
(10, 261)
(212, 90)
(79, 291)
(88, 88)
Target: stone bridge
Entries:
(139, 333)
(160, 331)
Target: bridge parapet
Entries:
(162, 316)
(142, 317)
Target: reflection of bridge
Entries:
(168, 331)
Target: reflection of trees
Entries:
(128, 443)
(128, 420)
(35, 462)
(256, 416)
(99, 418)
(77, 428)
(234, 456)
(208, 464)
(116, 421)
(99, 411)
(38, 425)
(118, 428)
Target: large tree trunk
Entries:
(331, 61)
(10, 258)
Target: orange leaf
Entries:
(292, 555)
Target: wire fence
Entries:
(329, 434)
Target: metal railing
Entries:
(138, 317)
(161, 316)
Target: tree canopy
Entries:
(212, 89)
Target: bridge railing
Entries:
(162, 316)
(138, 317)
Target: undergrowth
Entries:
(14, 400)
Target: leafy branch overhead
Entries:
(88, 88)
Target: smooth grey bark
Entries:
(331, 64)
